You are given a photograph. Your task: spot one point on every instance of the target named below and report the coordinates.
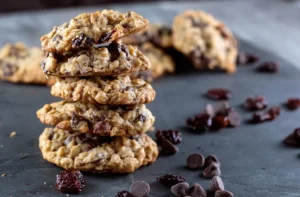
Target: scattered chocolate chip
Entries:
(124, 194)
(197, 191)
(293, 103)
(293, 139)
(223, 193)
(82, 41)
(210, 160)
(70, 182)
(180, 189)
(140, 189)
(219, 122)
(246, 58)
(212, 170)
(173, 136)
(168, 148)
(219, 94)
(268, 67)
(195, 161)
(256, 103)
(234, 119)
(216, 184)
(200, 122)
(169, 180)
(107, 36)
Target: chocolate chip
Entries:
(76, 119)
(107, 36)
(101, 127)
(197, 191)
(219, 94)
(82, 41)
(195, 161)
(212, 170)
(169, 180)
(268, 67)
(210, 160)
(168, 147)
(217, 184)
(234, 119)
(293, 103)
(142, 118)
(124, 194)
(180, 189)
(293, 139)
(140, 189)
(223, 193)
(256, 103)
(246, 58)
(115, 49)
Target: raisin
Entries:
(274, 112)
(173, 136)
(260, 117)
(102, 127)
(107, 36)
(256, 103)
(124, 194)
(169, 180)
(268, 67)
(200, 122)
(115, 49)
(71, 182)
(293, 103)
(219, 94)
(246, 58)
(82, 41)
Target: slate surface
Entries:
(254, 162)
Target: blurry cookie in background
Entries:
(207, 42)
(161, 63)
(22, 64)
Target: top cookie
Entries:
(21, 64)
(88, 29)
(205, 40)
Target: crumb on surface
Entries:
(45, 183)
(12, 134)
(3, 175)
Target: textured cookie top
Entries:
(21, 64)
(158, 34)
(207, 41)
(88, 29)
(84, 152)
(105, 120)
(117, 90)
(112, 59)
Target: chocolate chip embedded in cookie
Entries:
(111, 59)
(84, 152)
(88, 29)
(118, 90)
(21, 64)
(105, 120)
(205, 40)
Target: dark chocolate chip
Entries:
(210, 160)
(76, 119)
(82, 41)
(197, 191)
(180, 189)
(212, 170)
(142, 118)
(293, 139)
(168, 147)
(107, 36)
(140, 189)
(223, 193)
(195, 161)
(216, 184)
(102, 127)
(268, 67)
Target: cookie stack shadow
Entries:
(101, 124)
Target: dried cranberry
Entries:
(219, 94)
(256, 103)
(246, 58)
(219, 122)
(268, 67)
(70, 182)
(274, 112)
(124, 194)
(293, 103)
(259, 117)
(170, 180)
(173, 136)
(200, 122)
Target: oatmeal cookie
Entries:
(205, 40)
(89, 29)
(85, 152)
(105, 120)
(114, 90)
(112, 59)
(21, 64)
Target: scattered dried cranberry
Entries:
(268, 67)
(246, 58)
(200, 122)
(293, 103)
(70, 182)
(219, 122)
(274, 112)
(271, 114)
(256, 103)
(219, 94)
(170, 180)
(173, 136)
(124, 194)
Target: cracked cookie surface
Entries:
(84, 152)
(205, 40)
(104, 120)
(22, 64)
(117, 90)
(112, 59)
(89, 29)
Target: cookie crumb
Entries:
(3, 175)
(45, 183)
(12, 134)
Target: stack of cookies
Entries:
(100, 125)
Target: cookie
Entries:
(104, 120)
(117, 90)
(84, 152)
(21, 64)
(112, 59)
(89, 29)
(205, 40)
(157, 34)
